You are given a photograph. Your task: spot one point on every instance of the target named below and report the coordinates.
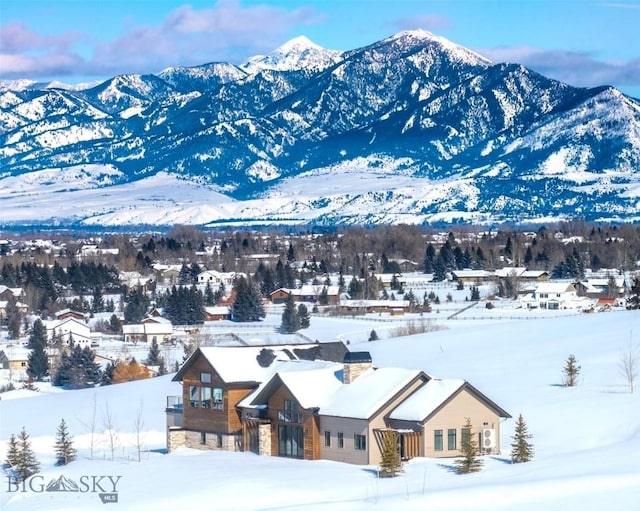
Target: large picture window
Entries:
(290, 441)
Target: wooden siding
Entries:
(310, 424)
(226, 420)
(453, 416)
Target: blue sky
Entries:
(581, 42)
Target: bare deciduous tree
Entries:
(630, 364)
(139, 425)
(90, 426)
(109, 430)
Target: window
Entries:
(465, 436)
(327, 438)
(290, 413)
(205, 397)
(360, 442)
(291, 441)
(451, 439)
(437, 440)
(340, 440)
(205, 377)
(203, 438)
(218, 404)
(194, 396)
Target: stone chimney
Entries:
(355, 363)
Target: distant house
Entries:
(215, 278)
(308, 294)
(15, 358)
(151, 328)
(10, 293)
(393, 307)
(218, 313)
(69, 328)
(473, 276)
(273, 402)
(22, 308)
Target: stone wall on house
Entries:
(213, 441)
(264, 439)
(176, 438)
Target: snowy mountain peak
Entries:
(458, 52)
(297, 53)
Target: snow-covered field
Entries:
(586, 438)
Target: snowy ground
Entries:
(587, 438)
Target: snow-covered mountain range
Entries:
(413, 128)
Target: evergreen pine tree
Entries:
(373, 336)
(247, 305)
(107, 373)
(521, 449)
(162, 367)
(153, 358)
(571, 371)
(303, 316)
(634, 295)
(26, 463)
(65, 452)
(469, 462)
(12, 451)
(290, 322)
(38, 362)
(390, 463)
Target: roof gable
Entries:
(371, 392)
(435, 395)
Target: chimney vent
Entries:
(355, 363)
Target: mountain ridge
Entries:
(412, 128)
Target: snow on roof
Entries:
(425, 400)
(509, 271)
(554, 287)
(375, 303)
(312, 382)
(369, 392)
(472, 273)
(240, 364)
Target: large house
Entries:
(281, 402)
(69, 326)
(554, 296)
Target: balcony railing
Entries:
(290, 416)
(174, 403)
